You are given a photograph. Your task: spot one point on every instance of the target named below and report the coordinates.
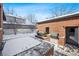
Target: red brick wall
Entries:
(59, 27)
(0, 24)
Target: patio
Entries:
(25, 45)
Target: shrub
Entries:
(40, 33)
(45, 34)
(54, 35)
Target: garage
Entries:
(67, 26)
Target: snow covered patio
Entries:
(24, 44)
(29, 45)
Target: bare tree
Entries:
(12, 20)
(62, 10)
(10, 11)
(32, 18)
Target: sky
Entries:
(42, 11)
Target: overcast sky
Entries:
(40, 10)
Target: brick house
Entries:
(1, 13)
(67, 26)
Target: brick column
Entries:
(78, 36)
(1, 18)
(62, 35)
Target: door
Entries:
(47, 30)
(72, 36)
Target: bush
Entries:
(45, 34)
(42, 34)
(54, 35)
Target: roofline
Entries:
(59, 17)
(14, 16)
(4, 22)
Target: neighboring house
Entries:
(14, 19)
(16, 24)
(1, 13)
(67, 26)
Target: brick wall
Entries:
(59, 27)
(0, 24)
(78, 35)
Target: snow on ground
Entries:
(29, 45)
(18, 43)
(67, 50)
(64, 51)
(39, 50)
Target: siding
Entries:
(13, 19)
(17, 28)
(16, 25)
